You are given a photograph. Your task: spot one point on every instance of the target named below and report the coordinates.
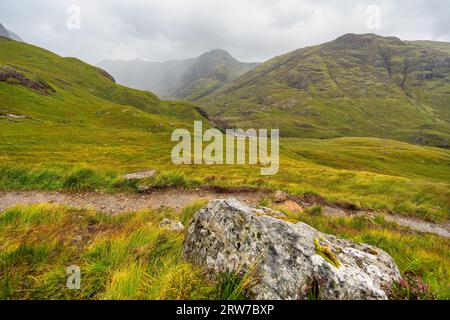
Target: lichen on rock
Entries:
(326, 253)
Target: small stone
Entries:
(280, 196)
(144, 189)
(291, 206)
(140, 175)
(172, 225)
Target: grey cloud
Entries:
(252, 30)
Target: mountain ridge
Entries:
(189, 79)
(355, 85)
(9, 34)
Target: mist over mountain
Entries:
(9, 34)
(356, 85)
(182, 79)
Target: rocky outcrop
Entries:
(286, 260)
(14, 76)
(106, 75)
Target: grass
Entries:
(314, 210)
(415, 197)
(376, 155)
(121, 257)
(129, 256)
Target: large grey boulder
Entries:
(287, 260)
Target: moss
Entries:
(326, 253)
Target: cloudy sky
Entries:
(251, 30)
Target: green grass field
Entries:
(123, 257)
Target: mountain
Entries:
(182, 79)
(9, 34)
(3, 31)
(15, 36)
(356, 85)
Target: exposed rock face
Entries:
(106, 75)
(287, 260)
(12, 75)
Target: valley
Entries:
(189, 79)
(362, 130)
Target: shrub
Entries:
(411, 287)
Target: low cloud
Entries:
(252, 30)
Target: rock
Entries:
(144, 189)
(280, 196)
(78, 238)
(286, 260)
(290, 206)
(12, 75)
(140, 175)
(172, 225)
(106, 75)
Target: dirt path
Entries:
(122, 202)
(177, 199)
(442, 230)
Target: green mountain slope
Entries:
(181, 79)
(209, 72)
(43, 87)
(58, 111)
(357, 85)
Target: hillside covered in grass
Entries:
(357, 85)
(67, 125)
(46, 89)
